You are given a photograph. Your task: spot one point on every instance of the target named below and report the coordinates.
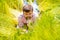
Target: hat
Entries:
(27, 8)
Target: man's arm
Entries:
(20, 23)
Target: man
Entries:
(27, 17)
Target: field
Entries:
(46, 27)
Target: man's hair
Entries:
(27, 8)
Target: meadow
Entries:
(46, 27)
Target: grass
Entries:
(46, 27)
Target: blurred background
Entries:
(47, 26)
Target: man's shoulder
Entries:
(20, 16)
(34, 15)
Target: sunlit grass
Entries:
(46, 27)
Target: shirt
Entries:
(22, 20)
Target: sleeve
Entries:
(34, 17)
(20, 23)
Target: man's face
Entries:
(28, 14)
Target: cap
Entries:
(27, 8)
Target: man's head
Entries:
(28, 11)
